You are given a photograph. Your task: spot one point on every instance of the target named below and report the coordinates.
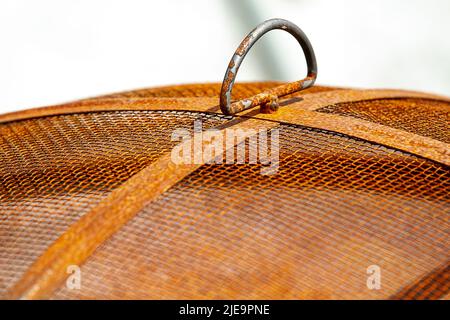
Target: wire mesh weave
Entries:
(423, 117)
(336, 206)
(55, 169)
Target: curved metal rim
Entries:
(266, 97)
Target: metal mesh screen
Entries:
(428, 118)
(55, 169)
(336, 206)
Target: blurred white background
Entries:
(54, 51)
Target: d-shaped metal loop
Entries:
(266, 99)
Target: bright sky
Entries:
(54, 51)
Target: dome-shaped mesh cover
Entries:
(339, 203)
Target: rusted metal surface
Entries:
(311, 99)
(87, 172)
(268, 100)
(82, 238)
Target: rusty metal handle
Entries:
(268, 100)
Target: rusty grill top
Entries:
(362, 181)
